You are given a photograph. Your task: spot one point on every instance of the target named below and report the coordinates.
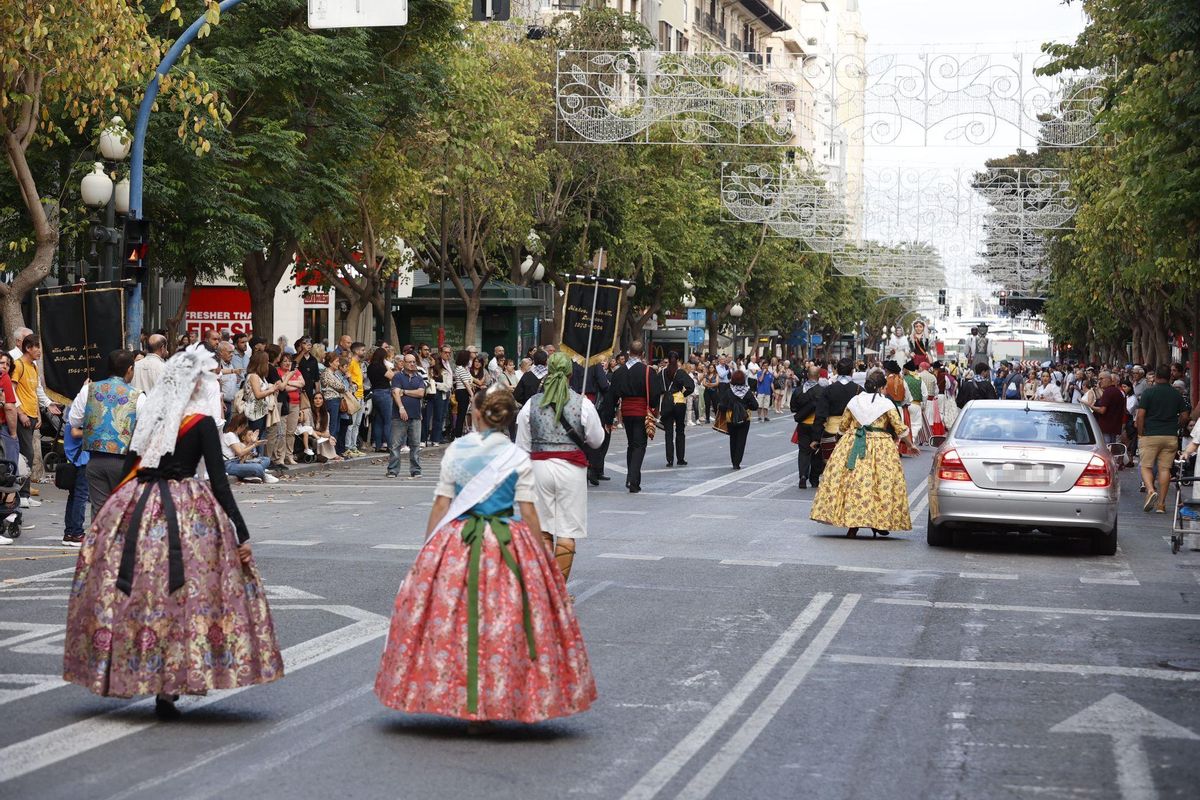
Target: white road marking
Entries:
(616, 511)
(879, 570)
(1126, 723)
(1112, 581)
(920, 507)
(396, 547)
(352, 502)
(774, 487)
(712, 516)
(281, 592)
(1082, 612)
(29, 630)
(915, 493)
(62, 743)
(289, 542)
(593, 590)
(630, 556)
(989, 576)
(710, 776)
(608, 465)
(1019, 666)
(673, 762)
(749, 562)
(32, 684)
(735, 476)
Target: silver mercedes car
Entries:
(1016, 466)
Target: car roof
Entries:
(1032, 405)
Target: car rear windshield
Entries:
(1017, 424)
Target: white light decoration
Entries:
(619, 96)
(688, 301)
(526, 265)
(115, 140)
(96, 188)
(631, 290)
(956, 98)
(539, 272)
(736, 310)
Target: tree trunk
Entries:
(44, 217)
(262, 274)
(472, 318)
(382, 312)
(189, 283)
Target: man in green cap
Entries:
(558, 426)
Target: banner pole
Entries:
(587, 367)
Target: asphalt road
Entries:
(741, 651)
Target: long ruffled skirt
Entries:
(872, 495)
(215, 632)
(425, 663)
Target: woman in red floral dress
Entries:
(483, 628)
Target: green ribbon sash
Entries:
(472, 535)
(859, 448)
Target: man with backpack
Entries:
(981, 388)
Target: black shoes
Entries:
(803, 484)
(603, 478)
(682, 463)
(164, 707)
(670, 463)
(593, 480)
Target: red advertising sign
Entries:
(316, 299)
(219, 307)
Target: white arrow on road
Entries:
(1127, 723)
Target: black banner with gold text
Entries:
(577, 320)
(79, 330)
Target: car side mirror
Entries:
(1118, 450)
(937, 441)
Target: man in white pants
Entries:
(554, 426)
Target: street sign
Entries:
(697, 316)
(817, 340)
(357, 13)
(695, 336)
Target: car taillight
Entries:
(1097, 474)
(950, 467)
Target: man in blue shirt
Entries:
(408, 389)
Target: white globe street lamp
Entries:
(631, 290)
(539, 272)
(121, 196)
(736, 310)
(115, 140)
(688, 301)
(96, 187)
(688, 284)
(526, 265)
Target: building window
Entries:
(664, 36)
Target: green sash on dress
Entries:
(859, 448)
(472, 535)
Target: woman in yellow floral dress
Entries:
(863, 485)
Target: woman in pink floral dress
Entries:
(483, 628)
(166, 599)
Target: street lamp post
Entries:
(735, 312)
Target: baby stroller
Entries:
(51, 435)
(11, 484)
(1187, 512)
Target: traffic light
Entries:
(135, 247)
(490, 10)
(941, 297)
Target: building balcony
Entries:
(762, 12)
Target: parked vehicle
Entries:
(1021, 467)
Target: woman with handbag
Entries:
(332, 388)
(379, 376)
(676, 386)
(735, 401)
(293, 386)
(258, 395)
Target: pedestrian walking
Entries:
(166, 598)
(675, 386)
(1160, 413)
(735, 401)
(483, 628)
(765, 389)
(106, 412)
(557, 427)
(832, 405)
(637, 393)
(803, 404)
(74, 476)
(598, 386)
(863, 485)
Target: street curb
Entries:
(376, 459)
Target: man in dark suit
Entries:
(531, 382)
(832, 404)
(632, 386)
(598, 387)
(804, 408)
